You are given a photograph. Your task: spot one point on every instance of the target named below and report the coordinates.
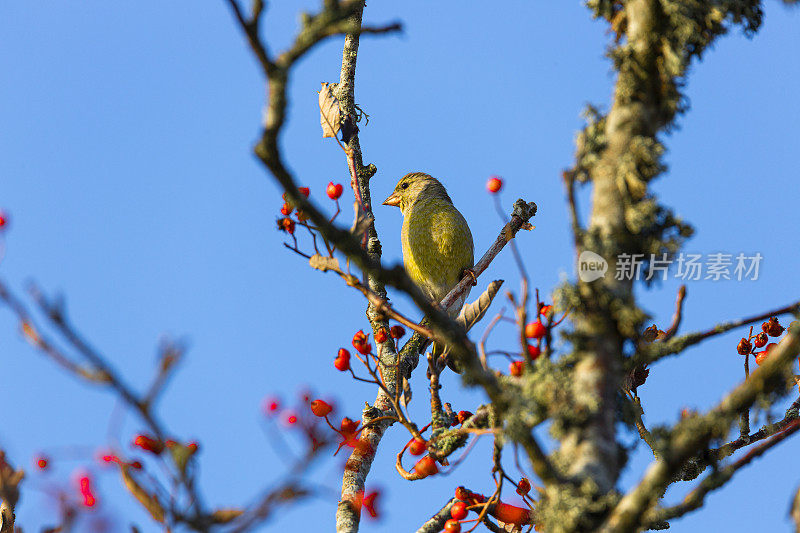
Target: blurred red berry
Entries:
(305, 191)
(494, 184)
(459, 511)
(271, 405)
(3, 220)
(192, 446)
(286, 210)
(534, 351)
(321, 408)
(546, 311)
(41, 462)
(85, 485)
(148, 443)
(516, 368)
(452, 526)
(110, 459)
(417, 447)
(535, 330)
(334, 190)
(463, 416)
(523, 487)
(291, 419)
(397, 331)
(288, 225)
(369, 501)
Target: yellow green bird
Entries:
(437, 242)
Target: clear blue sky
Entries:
(126, 166)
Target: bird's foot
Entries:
(471, 274)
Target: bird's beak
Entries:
(394, 199)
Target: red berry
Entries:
(761, 357)
(287, 224)
(41, 462)
(546, 311)
(535, 330)
(321, 408)
(511, 514)
(86, 491)
(417, 447)
(305, 191)
(334, 190)
(291, 419)
(494, 184)
(360, 343)
(286, 210)
(463, 416)
(381, 336)
(516, 368)
(760, 340)
(534, 351)
(148, 443)
(3, 220)
(342, 364)
(397, 331)
(459, 511)
(772, 327)
(452, 526)
(744, 347)
(524, 486)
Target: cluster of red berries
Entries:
(287, 224)
(535, 330)
(747, 346)
(363, 346)
(467, 500)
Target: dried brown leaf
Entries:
(223, 516)
(148, 501)
(330, 117)
(323, 263)
(474, 311)
(361, 221)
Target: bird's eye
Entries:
(404, 185)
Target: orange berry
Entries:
(334, 190)
(417, 447)
(494, 184)
(761, 357)
(535, 330)
(426, 467)
(459, 511)
(381, 336)
(511, 514)
(516, 368)
(286, 209)
(321, 408)
(287, 224)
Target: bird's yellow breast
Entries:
(437, 245)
